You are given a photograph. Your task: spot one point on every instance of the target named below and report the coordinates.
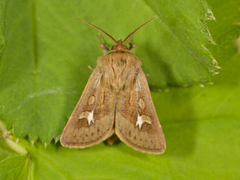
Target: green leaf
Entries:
(44, 70)
(16, 167)
(182, 53)
(44, 77)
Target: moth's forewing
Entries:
(92, 119)
(136, 121)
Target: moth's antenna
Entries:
(130, 35)
(98, 29)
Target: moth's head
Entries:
(119, 46)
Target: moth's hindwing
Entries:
(92, 119)
(136, 121)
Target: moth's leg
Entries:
(91, 68)
(104, 48)
(131, 45)
(112, 139)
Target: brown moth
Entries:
(116, 99)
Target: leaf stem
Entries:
(10, 141)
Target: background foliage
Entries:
(45, 52)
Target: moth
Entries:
(116, 99)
